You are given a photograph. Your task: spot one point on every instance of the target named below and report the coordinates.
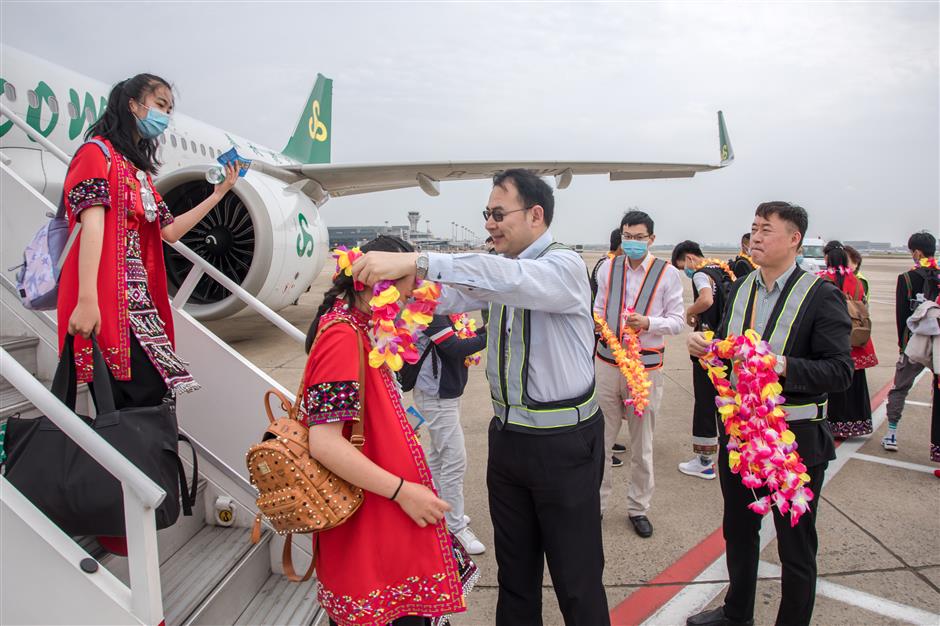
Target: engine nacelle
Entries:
(266, 237)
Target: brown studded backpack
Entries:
(296, 493)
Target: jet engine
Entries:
(264, 235)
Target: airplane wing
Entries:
(323, 181)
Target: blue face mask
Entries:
(689, 272)
(799, 259)
(634, 249)
(154, 124)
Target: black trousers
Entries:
(796, 546)
(146, 386)
(704, 413)
(544, 494)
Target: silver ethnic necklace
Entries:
(146, 196)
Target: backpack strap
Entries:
(356, 437)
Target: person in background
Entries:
(855, 262)
(615, 250)
(850, 410)
(113, 283)
(743, 264)
(641, 293)
(710, 288)
(440, 384)
(914, 286)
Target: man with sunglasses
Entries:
(636, 292)
(546, 439)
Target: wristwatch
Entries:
(781, 365)
(421, 263)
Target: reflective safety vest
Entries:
(778, 331)
(507, 369)
(652, 358)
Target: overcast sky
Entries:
(831, 105)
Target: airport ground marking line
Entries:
(861, 599)
(692, 599)
(893, 463)
(918, 403)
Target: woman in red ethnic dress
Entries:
(113, 283)
(850, 410)
(393, 561)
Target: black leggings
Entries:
(146, 386)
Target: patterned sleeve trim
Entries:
(90, 192)
(325, 403)
(166, 218)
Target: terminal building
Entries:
(350, 236)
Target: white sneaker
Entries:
(889, 442)
(466, 520)
(695, 467)
(470, 541)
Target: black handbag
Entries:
(73, 489)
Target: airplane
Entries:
(267, 234)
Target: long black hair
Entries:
(118, 124)
(343, 285)
(836, 257)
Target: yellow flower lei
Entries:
(716, 262)
(628, 360)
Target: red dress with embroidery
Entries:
(132, 291)
(863, 356)
(379, 565)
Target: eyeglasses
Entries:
(499, 215)
(634, 237)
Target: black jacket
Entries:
(819, 360)
(910, 283)
(447, 355)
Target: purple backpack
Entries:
(37, 280)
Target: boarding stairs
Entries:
(202, 570)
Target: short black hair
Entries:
(615, 239)
(854, 256)
(686, 247)
(923, 241)
(786, 211)
(532, 190)
(632, 218)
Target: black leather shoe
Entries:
(642, 526)
(715, 617)
(618, 448)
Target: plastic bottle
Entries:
(215, 174)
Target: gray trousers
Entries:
(447, 454)
(905, 371)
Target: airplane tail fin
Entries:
(310, 142)
(727, 152)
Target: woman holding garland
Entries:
(850, 410)
(113, 282)
(393, 562)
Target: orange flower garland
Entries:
(628, 360)
(717, 263)
(466, 328)
(928, 263)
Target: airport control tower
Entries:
(413, 217)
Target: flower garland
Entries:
(928, 263)
(393, 337)
(718, 263)
(832, 272)
(747, 257)
(628, 360)
(761, 448)
(466, 328)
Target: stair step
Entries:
(282, 603)
(23, 349)
(12, 402)
(189, 576)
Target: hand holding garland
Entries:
(631, 366)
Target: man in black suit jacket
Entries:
(807, 323)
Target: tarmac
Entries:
(878, 519)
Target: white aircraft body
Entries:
(267, 234)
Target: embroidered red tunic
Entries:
(379, 565)
(863, 356)
(132, 291)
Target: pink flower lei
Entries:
(761, 447)
(466, 328)
(393, 336)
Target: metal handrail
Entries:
(197, 261)
(149, 492)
